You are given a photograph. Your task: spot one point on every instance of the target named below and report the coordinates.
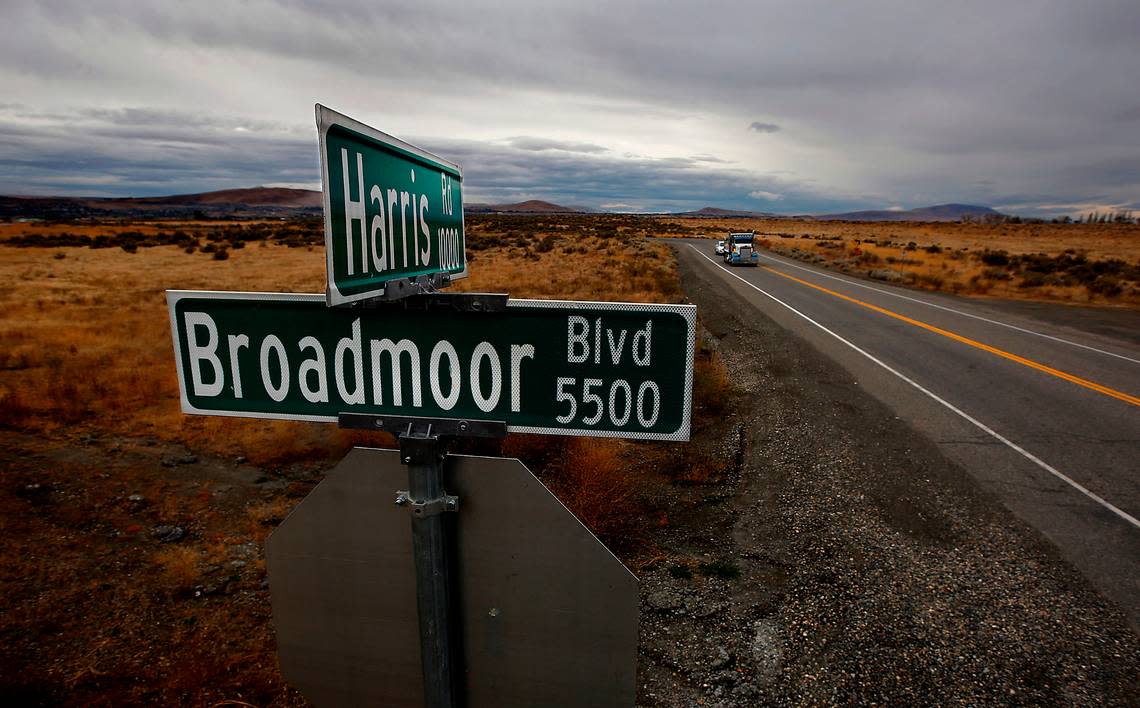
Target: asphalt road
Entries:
(1040, 405)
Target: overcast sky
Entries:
(791, 107)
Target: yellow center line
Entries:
(973, 343)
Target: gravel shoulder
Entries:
(872, 569)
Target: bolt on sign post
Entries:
(393, 213)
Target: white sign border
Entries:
(689, 312)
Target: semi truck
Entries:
(739, 250)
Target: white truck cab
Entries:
(739, 249)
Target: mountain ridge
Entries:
(284, 201)
(530, 206)
(937, 212)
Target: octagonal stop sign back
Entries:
(547, 615)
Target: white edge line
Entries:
(980, 425)
(783, 261)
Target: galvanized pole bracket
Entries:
(422, 294)
(408, 427)
(398, 289)
(431, 507)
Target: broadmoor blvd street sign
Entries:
(541, 366)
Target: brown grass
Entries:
(594, 481)
(88, 342)
(1097, 240)
(566, 263)
(711, 389)
(179, 566)
(265, 516)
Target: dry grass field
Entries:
(1096, 264)
(105, 602)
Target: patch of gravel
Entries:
(872, 569)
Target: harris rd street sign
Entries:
(392, 211)
(541, 366)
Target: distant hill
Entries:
(715, 213)
(940, 212)
(255, 196)
(533, 206)
(253, 202)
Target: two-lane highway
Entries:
(1047, 417)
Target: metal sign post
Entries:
(423, 453)
(423, 447)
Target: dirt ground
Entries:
(134, 573)
(131, 536)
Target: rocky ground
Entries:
(843, 559)
(133, 573)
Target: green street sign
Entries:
(542, 366)
(392, 211)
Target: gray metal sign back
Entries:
(548, 615)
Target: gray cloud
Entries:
(498, 174)
(104, 153)
(1129, 114)
(895, 103)
(144, 152)
(710, 159)
(540, 144)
